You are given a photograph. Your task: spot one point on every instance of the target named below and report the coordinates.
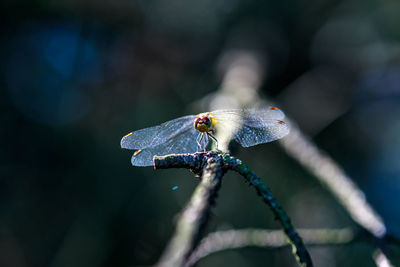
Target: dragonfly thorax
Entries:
(202, 124)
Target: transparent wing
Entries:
(237, 115)
(184, 142)
(261, 132)
(250, 127)
(156, 135)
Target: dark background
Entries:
(78, 75)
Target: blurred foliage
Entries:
(78, 75)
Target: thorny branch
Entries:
(192, 219)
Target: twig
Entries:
(195, 214)
(380, 259)
(299, 249)
(333, 177)
(186, 235)
(231, 239)
(329, 173)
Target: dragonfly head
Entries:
(202, 123)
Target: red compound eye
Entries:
(197, 120)
(205, 120)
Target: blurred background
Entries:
(78, 75)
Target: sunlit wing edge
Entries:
(151, 133)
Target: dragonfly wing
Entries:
(156, 135)
(267, 113)
(250, 127)
(252, 134)
(184, 142)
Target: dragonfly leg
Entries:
(199, 139)
(206, 140)
(214, 139)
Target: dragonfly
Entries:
(192, 133)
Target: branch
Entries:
(195, 162)
(329, 173)
(237, 165)
(195, 214)
(193, 218)
(231, 239)
(380, 259)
